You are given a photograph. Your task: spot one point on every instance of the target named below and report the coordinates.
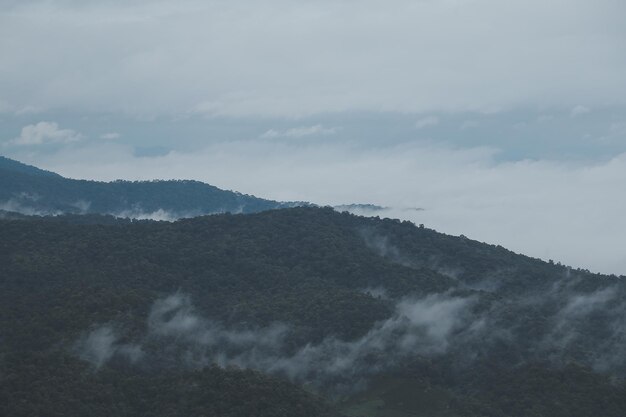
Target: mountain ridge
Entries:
(325, 300)
(29, 190)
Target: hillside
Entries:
(32, 191)
(344, 306)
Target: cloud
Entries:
(566, 322)
(45, 132)
(579, 111)
(580, 305)
(27, 204)
(175, 317)
(381, 246)
(298, 132)
(18, 205)
(544, 118)
(5, 107)
(26, 109)
(424, 326)
(296, 58)
(469, 124)
(566, 211)
(419, 327)
(430, 326)
(110, 136)
(101, 344)
(618, 129)
(426, 122)
(82, 206)
(157, 215)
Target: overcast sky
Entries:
(504, 119)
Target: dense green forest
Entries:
(302, 311)
(33, 191)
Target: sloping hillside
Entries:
(29, 190)
(328, 301)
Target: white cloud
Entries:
(573, 213)
(110, 136)
(544, 118)
(296, 58)
(469, 124)
(5, 107)
(102, 343)
(427, 121)
(579, 111)
(298, 132)
(45, 132)
(618, 128)
(27, 109)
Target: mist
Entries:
(423, 326)
(464, 327)
(568, 212)
(102, 344)
(493, 121)
(293, 59)
(341, 103)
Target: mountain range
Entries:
(296, 311)
(29, 190)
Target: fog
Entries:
(281, 58)
(101, 344)
(504, 121)
(569, 212)
(569, 323)
(418, 327)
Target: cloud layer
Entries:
(567, 322)
(568, 212)
(298, 132)
(294, 58)
(253, 67)
(418, 327)
(45, 132)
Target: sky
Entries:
(504, 121)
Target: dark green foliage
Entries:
(308, 268)
(59, 385)
(238, 268)
(538, 390)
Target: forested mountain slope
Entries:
(33, 191)
(126, 317)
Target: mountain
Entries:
(7, 164)
(32, 191)
(301, 311)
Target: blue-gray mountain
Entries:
(32, 191)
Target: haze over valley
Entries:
(312, 209)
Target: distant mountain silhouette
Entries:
(29, 190)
